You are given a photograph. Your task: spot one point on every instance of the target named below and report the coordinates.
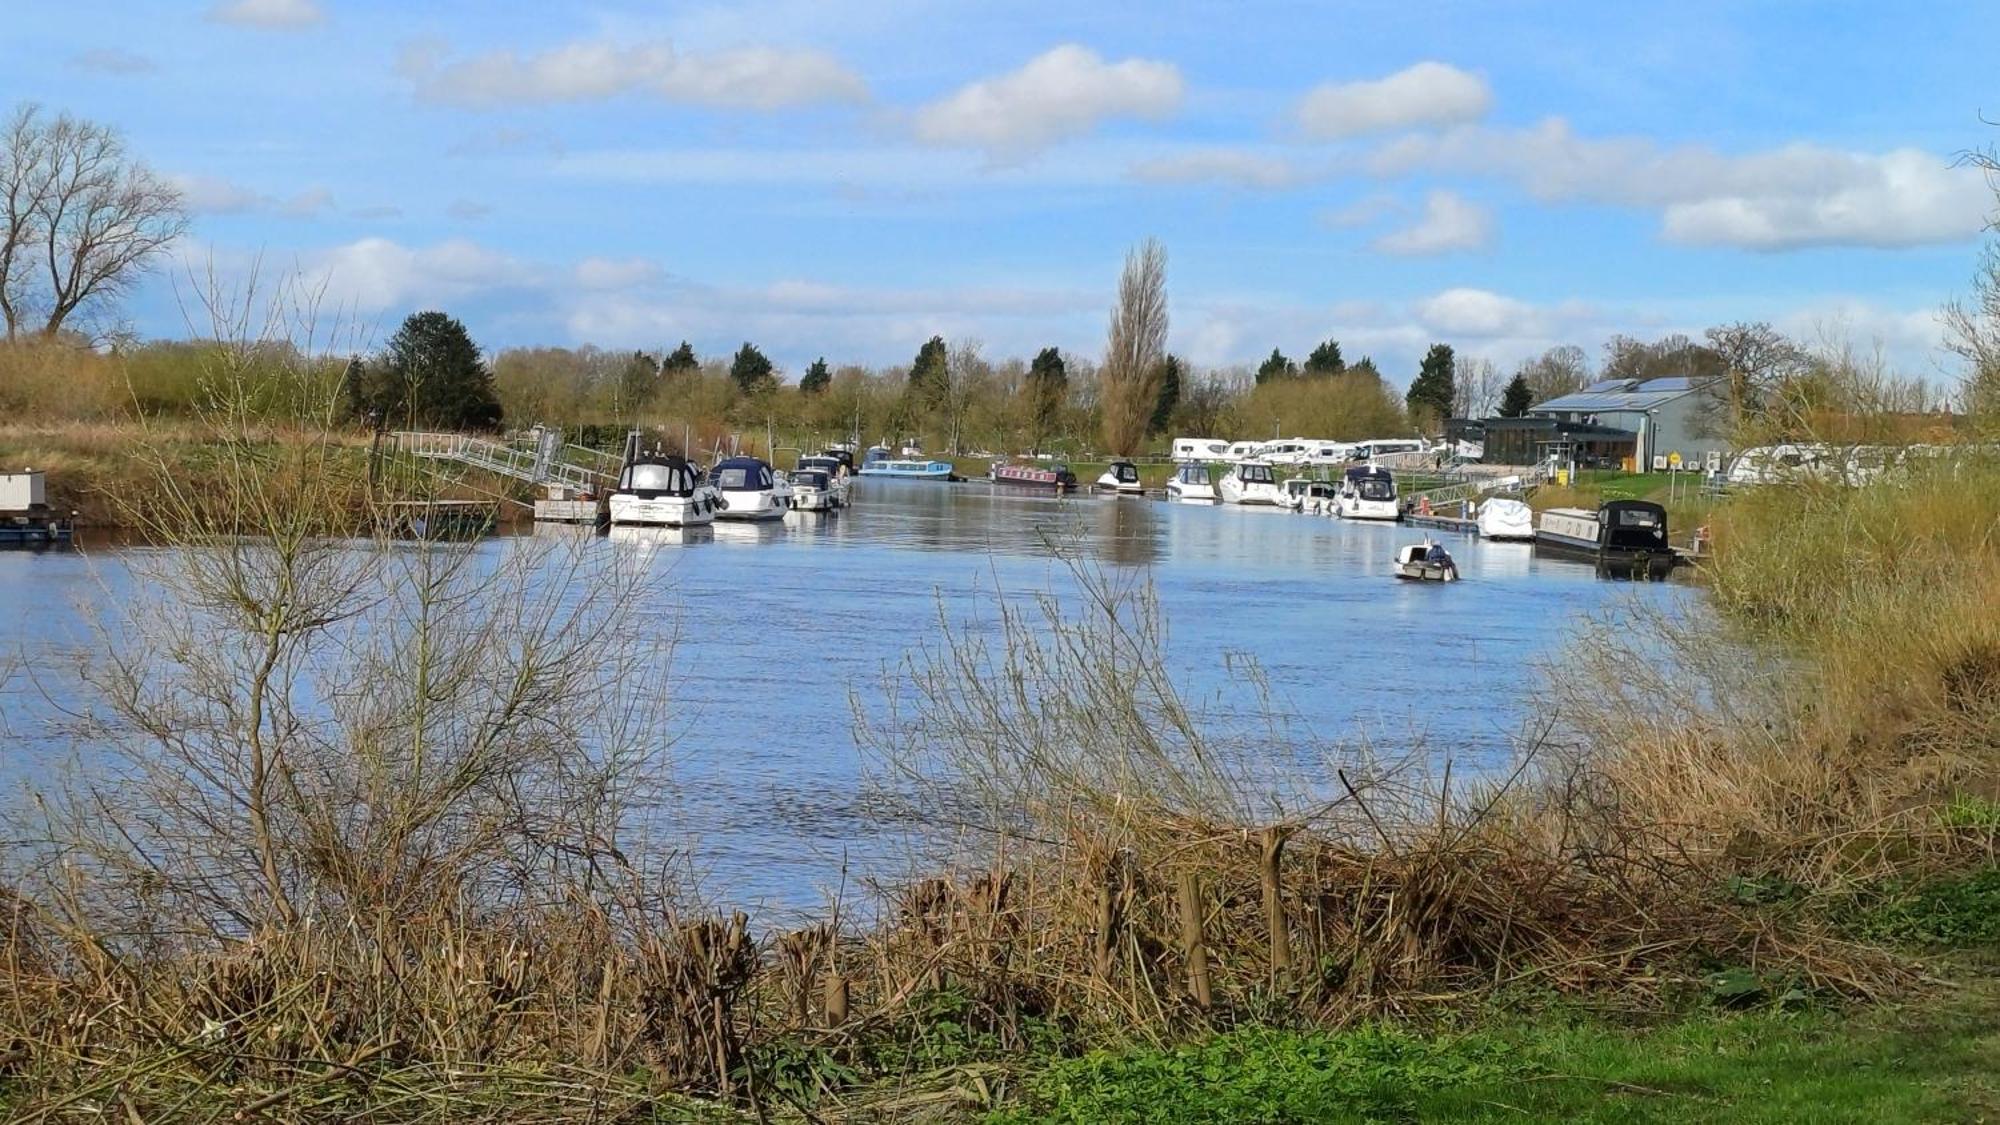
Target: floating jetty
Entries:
(26, 520)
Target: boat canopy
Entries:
(1192, 473)
(741, 474)
(811, 478)
(1125, 471)
(822, 463)
(658, 476)
(1639, 524)
(1252, 472)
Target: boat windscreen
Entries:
(1254, 474)
(742, 478)
(811, 478)
(1375, 488)
(659, 478)
(1193, 474)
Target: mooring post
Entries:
(1274, 905)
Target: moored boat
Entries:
(813, 491)
(1055, 477)
(1249, 482)
(1190, 483)
(913, 470)
(750, 490)
(1120, 476)
(1506, 518)
(1368, 492)
(1622, 537)
(662, 491)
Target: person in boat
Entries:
(1437, 556)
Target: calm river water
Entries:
(807, 615)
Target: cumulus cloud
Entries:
(112, 60)
(760, 78)
(1476, 312)
(1231, 166)
(1799, 195)
(1429, 93)
(278, 15)
(1449, 222)
(214, 195)
(1060, 94)
(375, 274)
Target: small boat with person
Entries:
(1368, 492)
(1053, 477)
(1190, 484)
(1622, 537)
(661, 490)
(750, 490)
(1122, 477)
(1427, 561)
(1250, 482)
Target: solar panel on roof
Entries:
(1674, 383)
(1606, 385)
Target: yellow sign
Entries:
(1674, 459)
(1562, 478)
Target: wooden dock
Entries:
(1443, 523)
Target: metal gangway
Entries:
(538, 456)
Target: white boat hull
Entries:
(663, 511)
(1354, 508)
(1191, 493)
(746, 507)
(1262, 495)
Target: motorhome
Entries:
(1200, 449)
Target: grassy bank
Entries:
(1710, 865)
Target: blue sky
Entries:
(847, 179)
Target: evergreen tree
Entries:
(816, 378)
(1365, 368)
(930, 374)
(430, 376)
(1517, 398)
(1433, 390)
(752, 370)
(680, 361)
(1048, 386)
(1170, 394)
(1276, 367)
(1325, 359)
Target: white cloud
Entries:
(1796, 196)
(375, 274)
(274, 14)
(609, 273)
(214, 195)
(1233, 166)
(1449, 222)
(1062, 93)
(763, 78)
(1476, 313)
(112, 60)
(1429, 93)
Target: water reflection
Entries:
(797, 622)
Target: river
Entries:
(807, 616)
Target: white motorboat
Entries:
(1303, 494)
(812, 491)
(1250, 482)
(1506, 518)
(1368, 492)
(836, 476)
(1190, 483)
(662, 491)
(1426, 562)
(750, 490)
(1122, 476)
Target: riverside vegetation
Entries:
(369, 840)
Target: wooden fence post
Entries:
(1274, 906)
(1192, 942)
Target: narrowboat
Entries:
(1622, 537)
(1056, 477)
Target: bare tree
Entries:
(1138, 342)
(1476, 386)
(82, 218)
(1557, 372)
(1755, 357)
